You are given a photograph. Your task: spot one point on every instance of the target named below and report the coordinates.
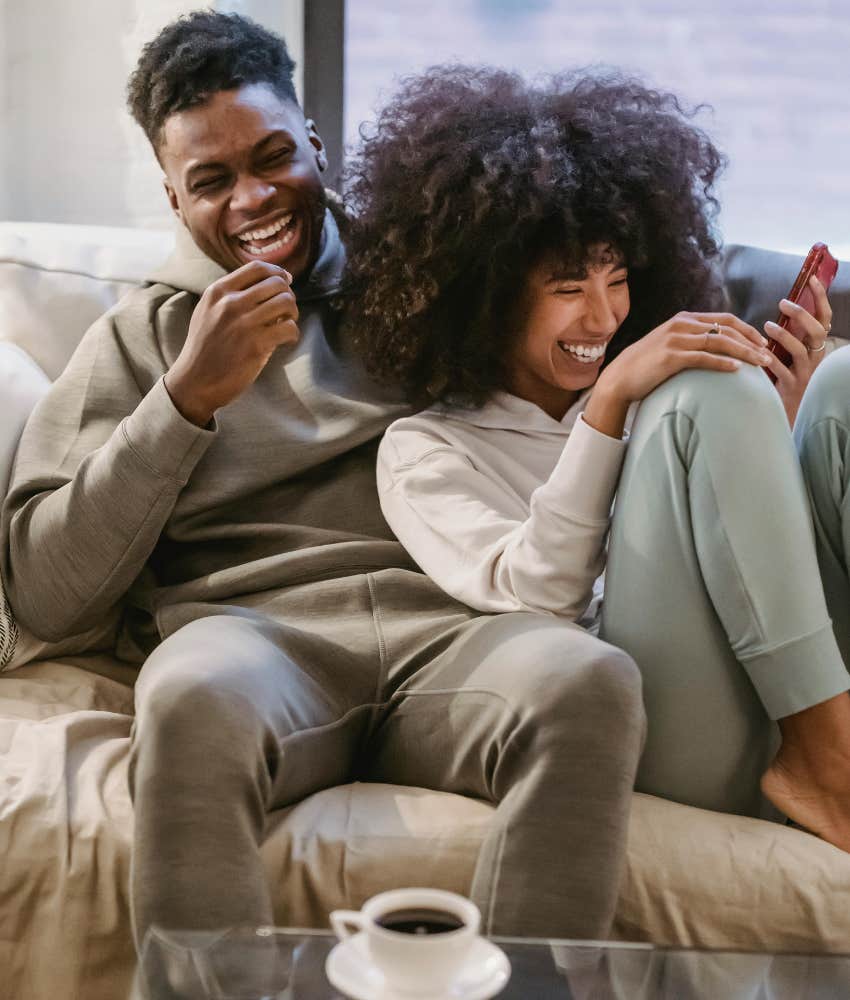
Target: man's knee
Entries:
(567, 673)
(189, 686)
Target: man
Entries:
(204, 469)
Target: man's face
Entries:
(243, 174)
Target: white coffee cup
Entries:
(414, 961)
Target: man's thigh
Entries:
(241, 690)
(495, 680)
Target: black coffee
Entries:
(420, 921)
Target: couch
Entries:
(693, 877)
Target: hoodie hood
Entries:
(504, 411)
(189, 269)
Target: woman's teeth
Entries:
(582, 352)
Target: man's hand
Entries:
(238, 324)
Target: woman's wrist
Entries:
(607, 409)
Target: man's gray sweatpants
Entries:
(382, 677)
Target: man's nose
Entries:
(250, 194)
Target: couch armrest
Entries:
(22, 384)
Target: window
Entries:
(774, 71)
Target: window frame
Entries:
(324, 78)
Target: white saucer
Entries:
(483, 975)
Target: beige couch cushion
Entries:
(56, 280)
(693, 878)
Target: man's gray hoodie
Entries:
(117, 501)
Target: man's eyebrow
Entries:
(281, 133)
(197, 168)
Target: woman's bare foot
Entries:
(823, 812)
(809, 780)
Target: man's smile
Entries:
(273, 241)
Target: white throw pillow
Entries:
(22, 384)
(9, 633)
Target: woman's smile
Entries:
(583, 353)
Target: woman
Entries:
(519, 266)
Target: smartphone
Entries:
(819, 262)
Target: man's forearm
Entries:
(74, 548)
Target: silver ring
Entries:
(828, 328)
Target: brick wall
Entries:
(776, 72)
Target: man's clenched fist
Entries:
(239, 322)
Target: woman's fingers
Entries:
(785, 376)
(801, 322)
(785, 338)
(823, 310)
(731, 322)
(705, 359)
(728, 342)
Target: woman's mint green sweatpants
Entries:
(713, 582)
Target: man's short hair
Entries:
(199, 55)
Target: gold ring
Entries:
(817, 350)
(714, 329)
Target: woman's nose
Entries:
(600, 317)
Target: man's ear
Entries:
(172, 199)
(317, 144)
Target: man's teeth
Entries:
(264, 234)
(583, 352)
(287, 238)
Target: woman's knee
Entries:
(827, 396)
(741, 398)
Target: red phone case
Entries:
(819, 262)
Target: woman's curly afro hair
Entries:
(471, 176)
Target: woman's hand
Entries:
(804, 341)
(717, 341)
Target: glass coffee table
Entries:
(277, 964)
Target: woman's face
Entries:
(566, 323)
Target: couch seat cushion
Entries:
(693, 877)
